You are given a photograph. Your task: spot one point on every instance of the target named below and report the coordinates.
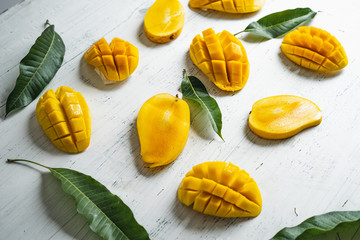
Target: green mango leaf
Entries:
(107, 214)
(319, 225)
(192, 88)
(279, 23)
(37, 69)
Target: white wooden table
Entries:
(312, 173)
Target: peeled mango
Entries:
(222, 58)
(163, 126)
(220, 189)
(114, 62)
(164, 21)
(231, 6)
(314, 48)
(283, 116)
(64, 116)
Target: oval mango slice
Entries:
(114, 62)
(220, 189)
(231, 6)
(164, 21)
(315, 49)
(283, 116)
(222, 58)
(65, 118)
(163, 126)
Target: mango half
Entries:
(114, 62)
(64, 116)
(164, 21)
(283, 116)
(222, 58)
(163, 126)
(220, 189)
(315, 49)
(231, 6)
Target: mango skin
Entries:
(315, 49)
(283, 116)
(163, 126)
(220, 189)
(164, 21)
(65, 118)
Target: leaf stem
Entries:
(47, 22)
(239, 32)
(24, 160)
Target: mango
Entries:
(65, 118)
(230, 6)
(222, 58)
(315, 49)
(114, 62)
(220, 189)
(283, 116)
(163, 126)
(164, 21)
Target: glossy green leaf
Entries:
(319, 225)
(37, 69)
(192, 88)
(279, 23)
(107, 214)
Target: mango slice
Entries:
(220, 189)
(283, 116)
(315, 49)
(222, 58)
(163, 126)
(64, 116)
(164, 21)
(231, 6)
(114, 62)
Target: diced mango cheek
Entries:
(314, 49)
(62, 119)
(115, 61)
(211, 197)
(212, 55)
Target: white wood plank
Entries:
(311, 173)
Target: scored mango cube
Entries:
(222, 58)
(218, 193)
(64, 116)
(230, 6)
(114, 62)
(314, 48)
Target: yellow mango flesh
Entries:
(315, 49)
(222, 58)
(163, 126)
(114, 62)
(231, 6)
(164, 21)
(283, 116)
(65, 118)
(220, 189)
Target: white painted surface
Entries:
(313, 172)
